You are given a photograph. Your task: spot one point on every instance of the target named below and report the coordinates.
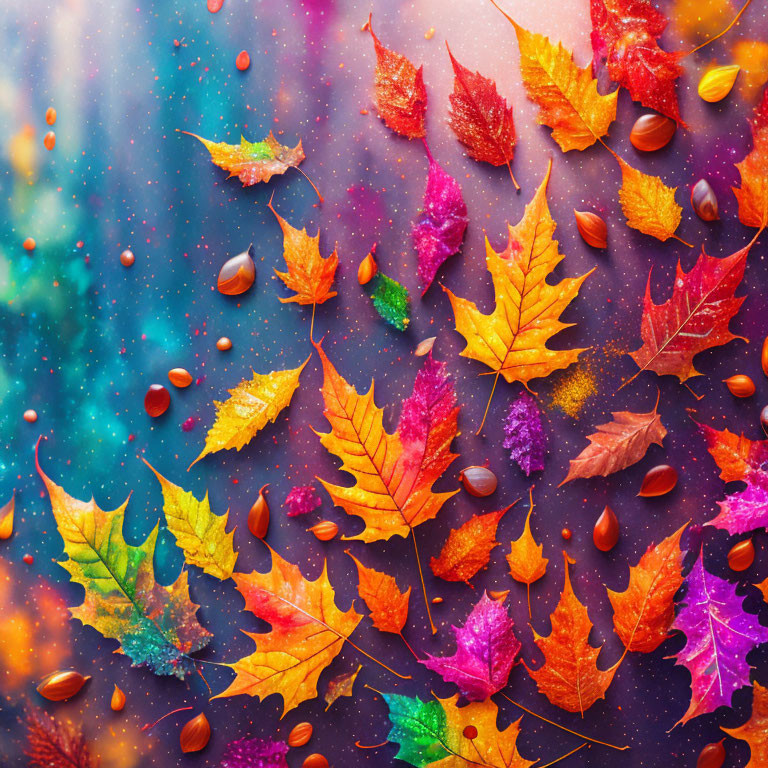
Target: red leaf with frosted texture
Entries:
(625, 35)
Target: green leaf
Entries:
(419, 727)
(392, 301)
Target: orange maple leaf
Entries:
(753, 193)
(569, 677)
(755, 730)
(643, 612)
(526, 562)
(468, 547)
(393, 473)
(512, 339)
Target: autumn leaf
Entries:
(525, 559)
(740, 459)
(486, 647)
(569, 677)
(54, 743)
(719, 636)
(524, 434)
(566, 94)
(753, 169)
(387, 604)
(439, 231)
(618, 444)
(156, 626)
(392, 301)
(644, 611)
(199, 534)
(648, 204)
(431, 734)
(253, 162)
(401, 97)
(307, 633)
(254, 753)
(468, 547)
(693, 319)
(480, 118)
(763, 587)
(250, 407)
(625, 35)
(341, 685)
(755, 730)
(512, 339)
(309, 275)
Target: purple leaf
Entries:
(746, 510)
(302, 499)
(439, 231)
(255, 753)
(719, 635)
(486, 649)
(524, 434)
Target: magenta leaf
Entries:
(746, 510)
(439, 231)
(486, 647)
(719, 635)
(302, 499)
(255, 753)
(524, 433)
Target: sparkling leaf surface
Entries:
(524, 434)
(387, 604)
(752, 195)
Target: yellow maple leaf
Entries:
(250, 407)
(648, 203)
(566, 93)
(201, 535)
(512, 339)
(307, 633)
(526, 562)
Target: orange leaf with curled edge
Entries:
(644, 611)
(569, 677)
(753, 193)
(525, 559)
(401, 97)
(387, 604)
(309, 275)
(755, 730)
(512, 339)
(468, 548)
(307, 632)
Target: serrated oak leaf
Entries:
(200, 534)
(155, 625)
(569, 677)
(755, 730)
(255, 161)
(695, 318)
(512, 339)
(486, 648)
(617, 444)
(250, 407)
(752, 196)
(54, 743)
(310, 275)
(625, 35)
(644, 611)
(468, 547)
(401, 97)
(379, 591)
(430, 734)
(480, 117)
(307, 632)
(719, 635)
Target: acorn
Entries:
(652, 131)
(592, 228)
(704, 201)
(315, 760)
(195, 734)
(325, 530)
(258, 516)
(117, 702)
(368, 267)
(716, 84)
(478, 481)
(62, 684)
(180, 377)
(606, 532)
(741, 555)
(740, 385)
(300, 734)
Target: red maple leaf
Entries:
(625, 35)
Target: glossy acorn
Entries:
(741, 555)
(258, 516)
(368, 267)
(315, 760)
(658, 480)
(478, 481)
(712, 756)
(117, 702)
(592, 228)
(237, 274)
(62, 684)
(157, 400)
(325, 530)
(180, 377)
(300, 734)
(195, 734)
(704, 201)
(606, 532)
(764, 420)
(652, 132)
(740, 385)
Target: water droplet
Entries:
(606, 532)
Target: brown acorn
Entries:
(658, 480)
(478, 481)
(740, 385)
(712, 756)
(606, 532)
(315, 760)
(704, 201)
(368, 267)
(300, 734)
(651, 132)
(592, 228)
(195, 734)
(237, 274)
(325, 530)
(62, 684)
(180, 377)
(741, 555)
(764, 420)
(117, 702)
(258, 517)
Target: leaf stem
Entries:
(567, 754)
(562, 727)
(312, 183)
(512, 176)
(408, 646)
(493, 389)
(720, 34)
(312, 324)
(423, 586)
(148, 726)
(680, 239)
